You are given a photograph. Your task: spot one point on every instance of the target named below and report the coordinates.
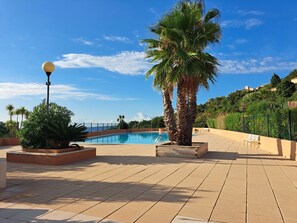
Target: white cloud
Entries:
(24, 90)
(117, 39)
(252, 66)
(130, 63)
(240, 41)
(140, 116)
(250, 12)
(247, 24)
(84, 41)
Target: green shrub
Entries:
(3, 130)
(275, 80)
(286, 89)
(33, 132)
(61, 134)
(233, 121)
(211, 123)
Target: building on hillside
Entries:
(294, 80)
(248, 88)
(292, 104)
(273, 89)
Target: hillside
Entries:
(261, 100)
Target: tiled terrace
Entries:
(231, 183)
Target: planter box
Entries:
(50, 157)
(197, 150)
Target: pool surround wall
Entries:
(281, 147)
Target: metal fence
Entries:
(97, 127)
(278, 125)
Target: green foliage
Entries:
(61, 134)
(294, 96)
(158, 122)
(286, 89)
(233, 122)
(33, 133)
(275, 80)
(12, 127)
(211, 123)
(3, 130)
(201, 120)
(122, 124)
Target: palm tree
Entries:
(23, 111)
(10, 108)
(180, 61)
(17, 112)
(120, 118)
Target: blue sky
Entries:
(100, 65)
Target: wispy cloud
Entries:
(241, 41)
(117, 39)
(29, 90)
(84, 41)
(253, 66)
(128, 62)
(247, 24)
(250, 12)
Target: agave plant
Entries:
(61, 134)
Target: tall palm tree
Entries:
(17, 112)
(180, 60)
(23, 111)
(10, 109)
(121, 118)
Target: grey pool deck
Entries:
(127, 183)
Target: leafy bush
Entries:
(3, 130)
(233, 122)
(275, 80)
(33, 133)
(286, 89)
(211, 123)
(61, 134)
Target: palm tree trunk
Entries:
(22, 120)
(169, 115)
(192, 112)
(181, 116)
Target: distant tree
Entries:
(23, 112)
(275, 80)
(3, 129)
(122, 123)
(286, 89)
(17, 112)
(10, 109)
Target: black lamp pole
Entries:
(48, 83)
(48, 68)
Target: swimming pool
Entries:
(130, 138)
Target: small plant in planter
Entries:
(59, 131)
(61, 134)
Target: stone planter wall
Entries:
(197, 150)
(51, 158)
(9, 142)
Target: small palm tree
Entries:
(120, 118)
(23, 111)
(17, 112)
(10, 109)
(122, 123)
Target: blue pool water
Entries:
(129, 138)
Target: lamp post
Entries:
(48, 68)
